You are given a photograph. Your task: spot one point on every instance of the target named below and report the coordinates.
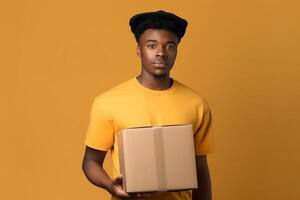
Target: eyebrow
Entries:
(155, 41)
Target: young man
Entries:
(152, 98)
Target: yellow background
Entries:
(242, 56)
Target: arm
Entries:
(92, 167)
(204, 185)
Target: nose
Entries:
(161, 51)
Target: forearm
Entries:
(204, 187)
(96, 174)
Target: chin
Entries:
(160, 75)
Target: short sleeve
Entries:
(204, 141)
(100, 131)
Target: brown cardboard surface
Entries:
(158, 158)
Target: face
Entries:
(157, 49)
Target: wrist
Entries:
(108, 187)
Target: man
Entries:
(150, 99)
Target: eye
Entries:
(151, 46)
(171, 47)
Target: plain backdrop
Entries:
(241, 56)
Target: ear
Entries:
(138, 50)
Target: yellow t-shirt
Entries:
(130, 104)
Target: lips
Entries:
(160, 64)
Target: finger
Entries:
(135, 195)
(147, 195)
(140, 195)
(122, 195)
(118, 180)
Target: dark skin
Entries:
(157, 49)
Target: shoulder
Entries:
(191, 93)
(115, 93)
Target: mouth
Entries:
(160, 64)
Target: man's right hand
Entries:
(92, 166)
(116, 189)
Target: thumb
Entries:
(118, 180)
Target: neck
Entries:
(155, 83)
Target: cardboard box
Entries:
(158, 158)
